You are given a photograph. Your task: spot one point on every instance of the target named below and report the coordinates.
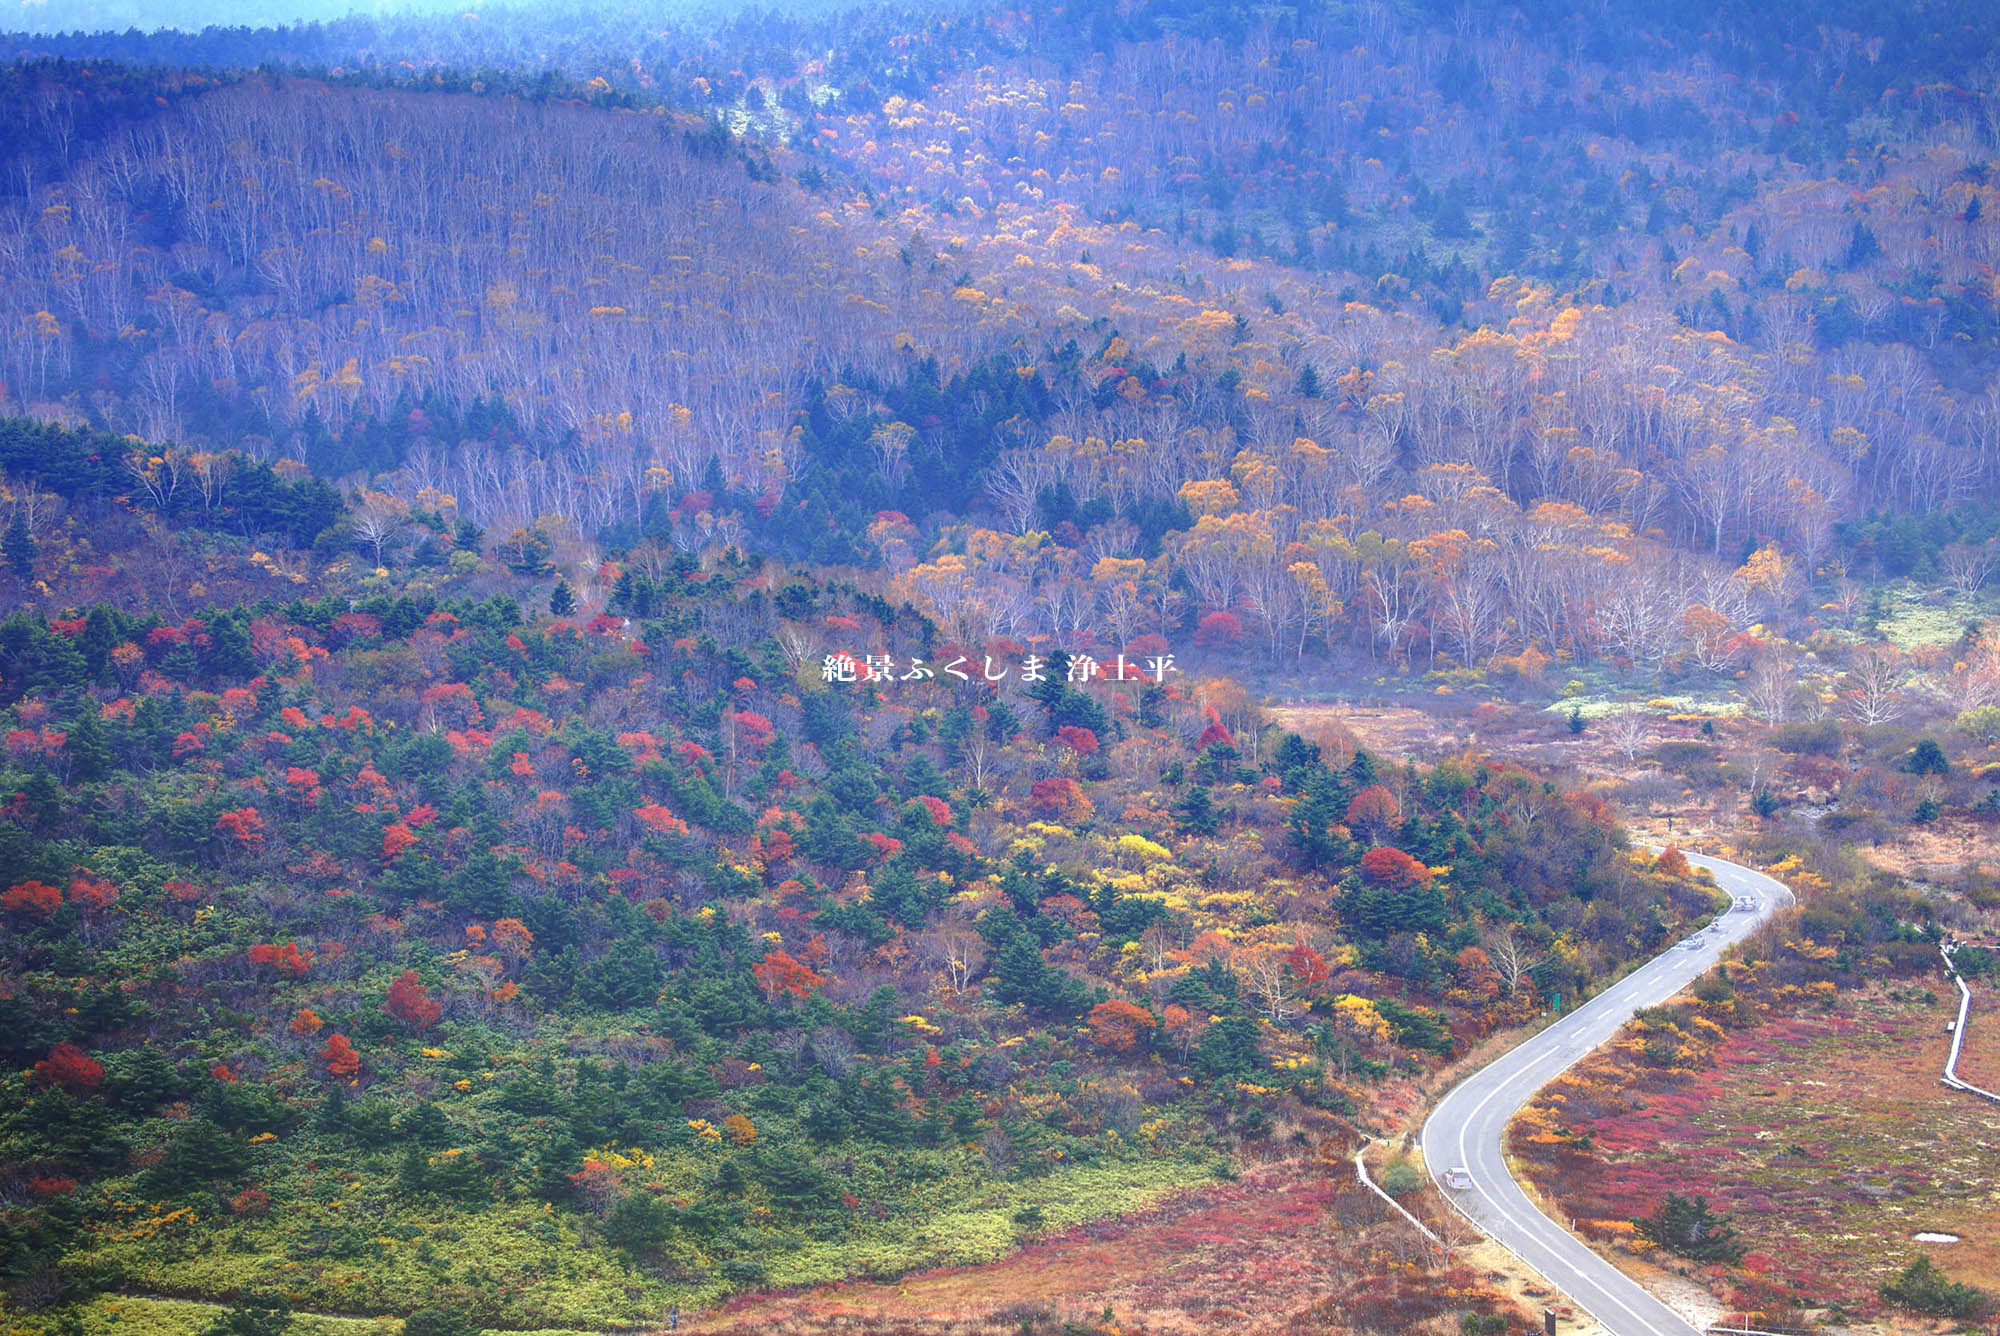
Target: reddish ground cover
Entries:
(1294, 1248)
(1979, 1059)
(1825, 1135)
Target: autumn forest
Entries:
(901, 669)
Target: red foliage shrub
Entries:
(71, 1068)
(411, 1003)
(31, 897)
(245, 825)
(285, 958)
(1060, 796)
(779, 973)
(1118, 1026)
(595, 1185)
(339, 1056)
(1394, 868)
(1218, 630)
(753, 729)
(453, 704)
(659, 820)
(25, 744)
(1079, 740)
(355, 718)
(355, 625)
(396, 837)
(1307, 966)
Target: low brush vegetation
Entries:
(565, 970)
(1780, 1134)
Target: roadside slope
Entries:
(1467, 1129)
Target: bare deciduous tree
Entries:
(1510, 956)
(1769, 690)
(1968, 565)
(1629, 730)
(1873, 687)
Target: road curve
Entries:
(1466, 1129)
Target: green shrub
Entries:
(440, 1322)
(1821, 738)
(198, 1155)
(1685, 1226)
(1926, 758)
(1400, 1178)
(1922, 1288)
(252, 1320)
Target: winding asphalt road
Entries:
(1465, 1131)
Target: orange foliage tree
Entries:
(411, 1003)
(286, 959)
(1393, 868)
(1118, 1027)
(1060, 797)
(339, 1056)
(245, 825)
(1184, 1027)
(1476, 975)
(31, 897)
(780, 973)
(88, 891)
(511, 937)
(1373, 813)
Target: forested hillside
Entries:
(401, 941)
(1275, 307)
